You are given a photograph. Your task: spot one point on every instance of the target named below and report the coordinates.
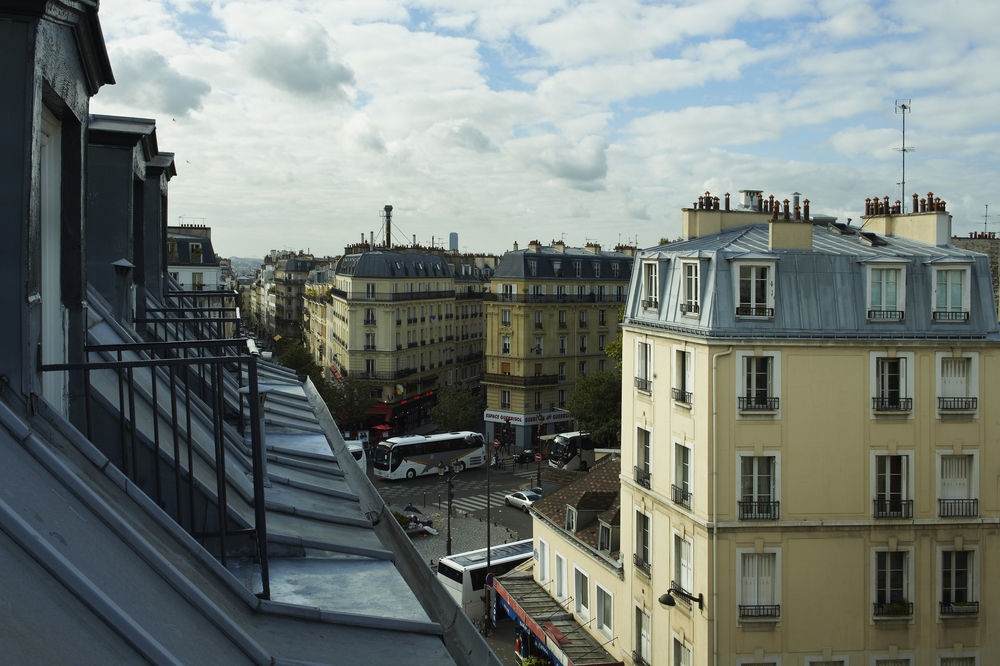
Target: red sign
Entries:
(538, 457)
(496, 443)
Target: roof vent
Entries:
(872, 239)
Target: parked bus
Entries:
(464, 574)
(408, 457)
(573, 451)
(357, 449)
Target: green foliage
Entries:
(613, 349)
(458, 409)
(597, 405)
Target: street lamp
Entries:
(449, 470)
(668, 600)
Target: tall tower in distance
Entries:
(453, 241)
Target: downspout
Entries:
(715, 504)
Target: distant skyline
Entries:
(295, 122)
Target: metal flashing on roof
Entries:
(753, 256)
(885, 259)
(951, 260)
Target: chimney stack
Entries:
(388, 226)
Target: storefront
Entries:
(523, 430)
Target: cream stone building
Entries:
(809, 443)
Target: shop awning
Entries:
(565, 639)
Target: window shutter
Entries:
(765, 578)
(955, 474)
(954, 377)
(749, 575)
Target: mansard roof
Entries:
(400, 265)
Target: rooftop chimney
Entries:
(388, 226)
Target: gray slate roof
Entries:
(516, 264)
(819, 293)
(388, 264)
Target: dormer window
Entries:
(604, 538)
(691, 303)
(650, 286)
(578, 268)
(886, 293)
(532, 267)
(951, 294)
(570, 518)
(755, 290)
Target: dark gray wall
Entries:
(109, 214)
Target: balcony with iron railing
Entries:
(950, 315)
(517, 380)
(370, 322)
(642, 565)
(892, 609)
(759, 509)
(892, 509)
(956, 404)
(690, 308)
(638, 659)
(892, 404)
(556, 298)
(958, 608)
(644, 384)
(680, 496)
(760, 611)
(758, 403)
(757, 311)
(650, 303)
(885, 315)
(680, 395)
(958, 508)
(642, 476)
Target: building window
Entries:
(570, 519)
(642, 653)
(543, 561)
(885, 293)
(505, 345)
(682, 653)
(583, 318)
(582, 369)
(901, 661)
(370, 290)
(198, 281)
(641, 558)
(957, 591)
(758, 394)
(958, 487)
(957, 382)
(892, 593)
(562, 393)
(581, 589)
(538, 318)
(683, 376)
(683, 564)
(951, 294)
(650, 290)
(562, 319)
(643, 461)
(506, 292)
(532, 267)
(600, 365)
(755, 291)
(891, 385)
(369, 367)
(892, 492)
(505, 399)
(605, 614)
(596, 266)
(616, 269)
(958, 661)
(505, 317)
(562, 344)
(602, 317)
(681, 489)
(604, 538)
(758, 590)
(644, 366)
(561, 592)
(692, 294)
(758, 488)
(369, 341)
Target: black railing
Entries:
(690, 308)
(758, 403)
(880, 404)
(681, 395)
(885, 315)
(403, 296)
(642, 476)
(760, 611)
(959, 607)
(638, 659)
(892, 608)
(517, 380)
(650, 303)
(182, 369)
(898, 509)
(642, 564)
(371, 322)
(943, 315)
(754, 311)
(644, 384)
(957, 404)
(759, 510)
(556, 298)
(369, 347)
(680, 496)
(958, 508)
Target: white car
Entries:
(522, 499)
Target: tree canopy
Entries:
(458, 409)
(596, 404)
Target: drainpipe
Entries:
(715, 503)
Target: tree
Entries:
(348, 402)
(596, 404)
(458, 409)
(613, 349)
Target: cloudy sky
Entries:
(295, 121)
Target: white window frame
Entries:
(910, 472)
(639, 511)
(650, 285)
(972, 390)
(753, 661)
(606, 629)
(774, 388)
(505, 399)
(908, 578)
(571, 519)
(676, 641)
(775, 584)
(966, 270)
(682, 568)
(505, 317)
(691, 288)
(647, 464)
(845, 660)
(644, 372)
(900, 291)
(543, 561)
(771, 266)
(975, 590)
(683, 374)
(642, 642)
(906, 382)
(973, 474)
(688, 486)
(951, 655)
(579, 608)
(561, 591)
(775, 477)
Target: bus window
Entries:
(450, 572)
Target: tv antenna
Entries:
(986, 218)
(903, 106)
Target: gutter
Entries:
(715, 503)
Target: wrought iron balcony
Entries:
(751, 611)
(369, 347)
(518, 380)
(958, 508)
(943, 315)
(759, 510)
(638, 659)
(758, 403)
(370, 322)
(892, 509)
(644, 384)
(680, 496)
(948, 404)
(690, 308)
(642, 476)
(892, 404)
(959, 608)
(885, 315)
(642, 565)
(650, 303)
(892, 609)
(754, 311)
(680, 395)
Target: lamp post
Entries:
(449, 471)
(667, 599)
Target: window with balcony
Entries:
(680, 491)
(369, 317)
(957, 383)
(583, 344)
(951, 294)
(507, 292)
(505, 399)
(683, 376)
(644, 366)
(893, 388)
(958, 594)
(505, 345)
(691, 303)
(958, 486)
(505, 317)
(601, 341)
(899, 661)
(369, 367)
(958, 661)
(759, 385)
(759, 580)
(581, 589)
(892, 584)
(755, 291)
(641, 557)
(682, 653)
(604, 603)
(369, 341)
(562, 344)
(370, 290)
(583, 318)
(683, 564)
(538, 318)
(643, 461)
(562, 319)
(642, 650)
(886, 289)
(893, 498)
(650, 286)
(758, 488)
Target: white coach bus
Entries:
(409, 457)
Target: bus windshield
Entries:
(381, 458)
(562, 449)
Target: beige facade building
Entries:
(550, 312)
(809, 458)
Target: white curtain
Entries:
(955, 474)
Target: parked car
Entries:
(525, 456)
(522, 499)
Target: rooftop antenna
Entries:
(986, 218)
(903, 106)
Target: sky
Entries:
(295, 122)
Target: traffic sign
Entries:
(538, 457)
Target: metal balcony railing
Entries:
(650, 303)
(680, 496)
(758, 403)
(892, 609)
(690, 308)
(754, 311)
(638, 659)
(892, 509)
(644, 384)
(892, 404)
(370, 322)
(556, 298)
(642, 476)
(885, 315)
(642, 565)
(959, 608)
(942, 315)
(759, 510)
(680, 395)
(957, 404)
(749, 611)
(958, 508)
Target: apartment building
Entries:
(550, 312)
(808, 459)
(191, 259)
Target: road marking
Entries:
(476, 502)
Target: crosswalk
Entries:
(478, 502)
